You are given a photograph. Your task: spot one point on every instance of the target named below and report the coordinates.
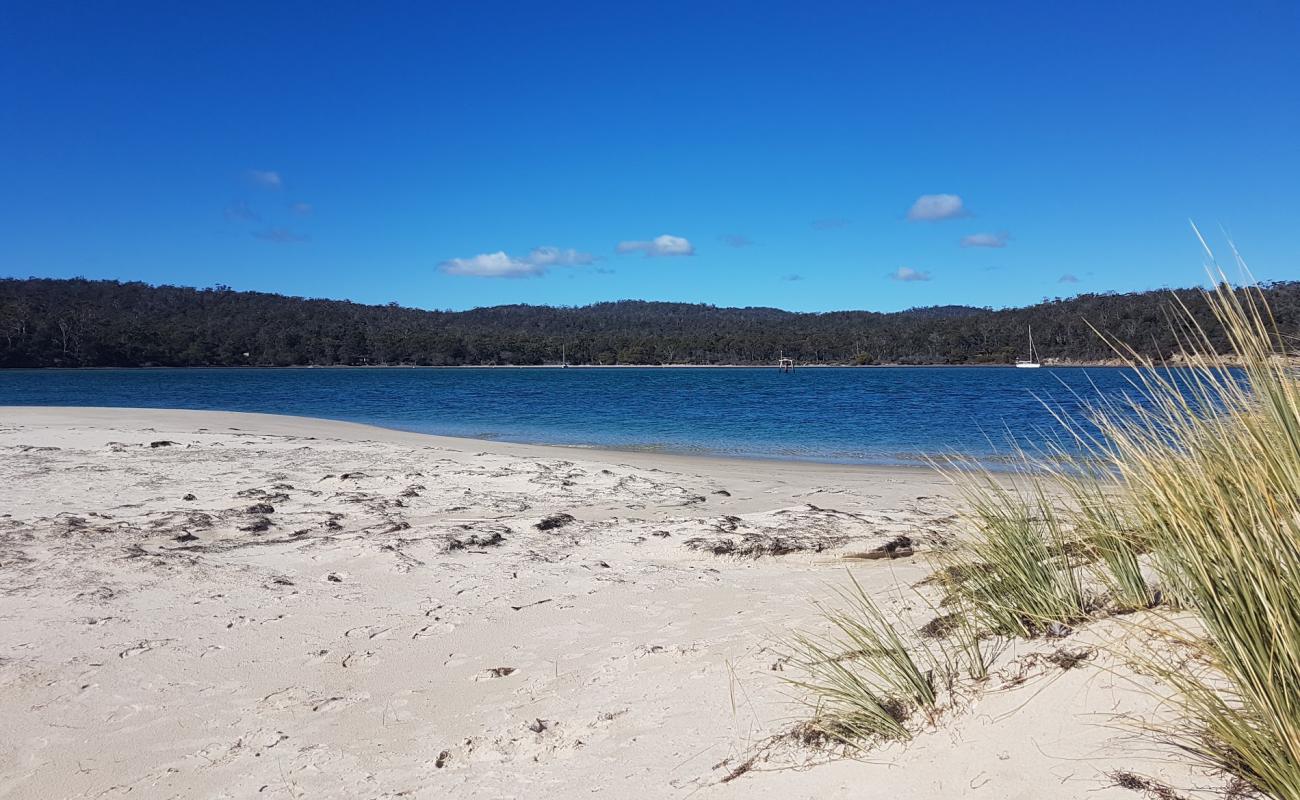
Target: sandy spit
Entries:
(220, 605)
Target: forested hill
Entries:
(70, 323)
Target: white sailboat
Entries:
(564, 356)
(1032, 361)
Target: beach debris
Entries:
(898, 547)
(334, 577)
(185, 537)
(162, 443)
(442, 759)
(495, 672)
(722, 492)
(540, 725)
(351, 476)
(555, 521)
(189, 497)
(1148, 787)
(261, 508)
(529, 605)
(1069, 659)
(757, 545)
(1058, 630)
(484, 539)
(941, 626)
(750, 545)
(259, 525)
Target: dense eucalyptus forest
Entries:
(85, 323)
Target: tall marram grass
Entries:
(1207, 463)
(1015, 571)
(1196, 473)
(866, 676)
(1192, 477)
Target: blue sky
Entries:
(810, 156)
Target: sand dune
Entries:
(202, 604)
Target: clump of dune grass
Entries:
(970, 648)
(1209, 464)
(1194, 477)
(1113, 543)
(1015, 570)
(865, 677)
(1196, 473)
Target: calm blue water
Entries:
(887, 415)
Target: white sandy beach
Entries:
(221, 605)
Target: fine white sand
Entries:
(266, 606)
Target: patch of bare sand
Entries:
(203, 604)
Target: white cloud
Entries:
(985, 240)
(908, 275)
(491, 265)
(934, 207)
(502, 265)
(268, 178)
(1068, 278)
(659, 246)
(547, 256)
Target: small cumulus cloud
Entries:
(659, 246)
(301, 209)
(502, 265)
(280, 236)
(935, 207)
(239, 211)
(791, 277)
(736, 239)
(1068, 278)
(263, 177)
(491, 265)
(908, 275)
(985, 240)
(830, 224)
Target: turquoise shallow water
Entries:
(885, 415)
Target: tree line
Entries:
(85, 323)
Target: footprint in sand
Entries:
(144, 647)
